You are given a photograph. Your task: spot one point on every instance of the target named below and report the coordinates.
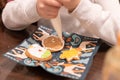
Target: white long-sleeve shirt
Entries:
(100, 18)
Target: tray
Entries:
(76, 69)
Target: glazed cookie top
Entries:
(72, 54)
(38, 51)
(53, 43)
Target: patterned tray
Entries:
(76, 69)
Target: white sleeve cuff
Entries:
(31, 11)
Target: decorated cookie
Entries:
(36, 52)
(53, 43)
(72, 54)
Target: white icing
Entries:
(36, 50)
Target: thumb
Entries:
(62, 1)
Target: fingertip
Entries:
(57, 3)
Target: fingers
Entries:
(48, 8)
(48, 12)
(65, 1)
(54, 3)
(69, 4)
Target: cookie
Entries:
(71, 54)
(53, 43)
(36, 52)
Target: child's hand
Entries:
(48, 8)
(70, 4)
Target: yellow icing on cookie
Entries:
(71, 54)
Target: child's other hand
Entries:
(48, 8)
(70, 4)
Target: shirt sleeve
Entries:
(18, 14)
(100, 18)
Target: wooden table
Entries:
(10, 70)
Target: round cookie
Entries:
(36, 52)
(53, 43)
